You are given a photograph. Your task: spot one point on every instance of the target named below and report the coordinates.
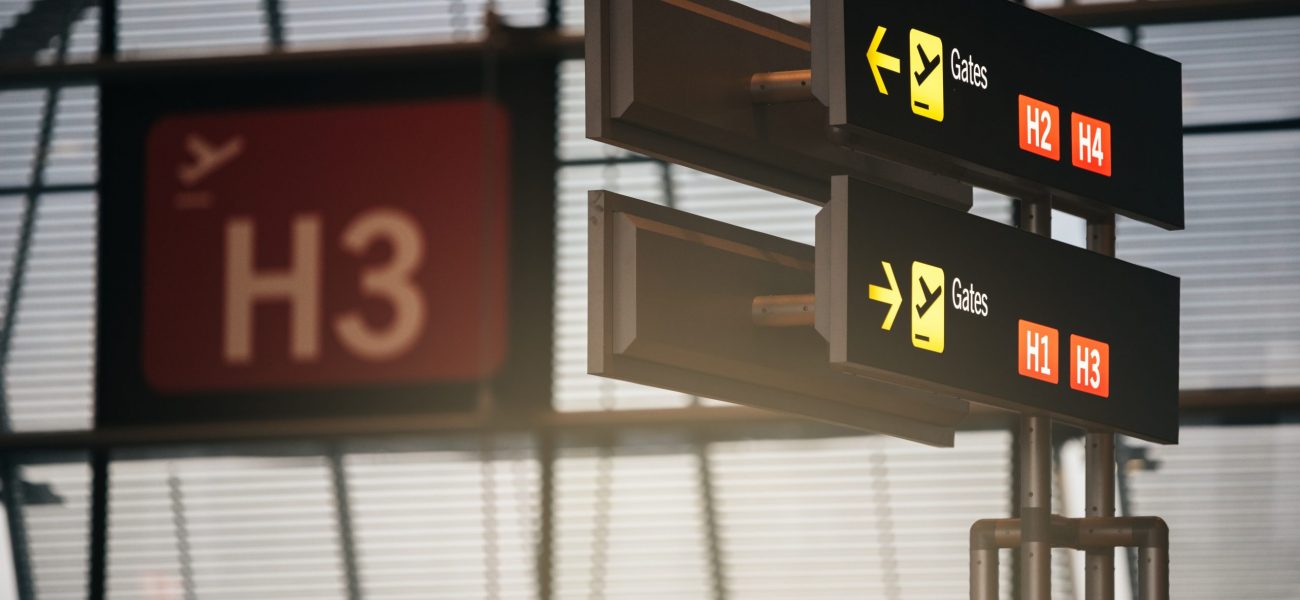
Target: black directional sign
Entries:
(1002, 96)
(927, 296)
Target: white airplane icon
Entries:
(207, 158)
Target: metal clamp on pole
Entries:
(781, 86)
(795, 310)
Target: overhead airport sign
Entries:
(670, 305)
(922, 295)
(280, 242)
(1002, 96)
(683, 97)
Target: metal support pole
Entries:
(1154, 572)
(984, 560)
(181, 529)
(1036, 507)
(107, 30)
(1153, 554)
(709, 506)
(274, 24)
(98, 572)
(14, 504)
(1036, 460)
(544, 565)
(343, 518)
(1099, 569)
(1099, 494)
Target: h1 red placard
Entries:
(324, 246)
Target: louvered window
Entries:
(776, 510)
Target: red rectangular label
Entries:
(1040, 127)
(1037, 351)
(1090, 366)
(1091, 144)
(324, 246)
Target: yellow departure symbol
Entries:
(889, 295)
(926, 74)
(927, 307)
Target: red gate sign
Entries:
(326, 246)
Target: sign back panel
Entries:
(666, 78)
(1004, 97)
(671, 299)
(927, 296)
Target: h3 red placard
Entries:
(320, 246)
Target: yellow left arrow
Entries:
(889, 295)
(879, 60)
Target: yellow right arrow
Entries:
(879, 60)
(889, 295)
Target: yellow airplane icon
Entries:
(927, 74)
(927, 307)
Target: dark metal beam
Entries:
(45, 189)
(510, 43)
(571, 45)
(1242, 127)
(1172, 11)
(1247, 403)
(1239, 401)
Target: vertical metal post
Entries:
(708, 505)
(488, 511)
(13, 497)
(343, 516)
(1036, 461)
(983, 561)
(553, 14)
(274, 23)
(98, 524)
(1036, 507)
(1125, 507)
(107, 30)
(10, 473)
(544, 551)
(1099, 494)
(1155, 570)
(181, 529)
(984, 574)
(884, 524)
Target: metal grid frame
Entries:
(14, 448)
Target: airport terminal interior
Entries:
(589, 487)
